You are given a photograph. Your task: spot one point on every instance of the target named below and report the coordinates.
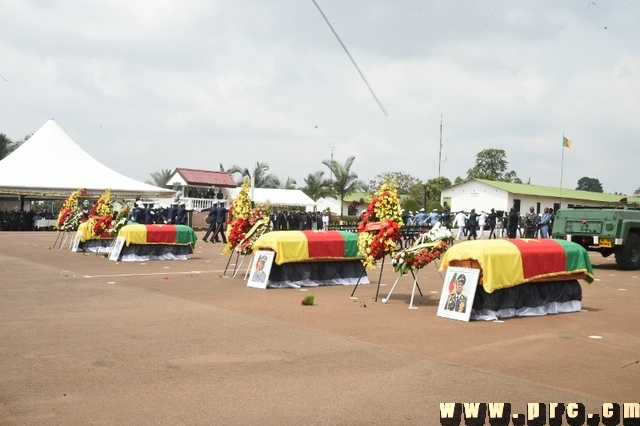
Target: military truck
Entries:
(612, 229)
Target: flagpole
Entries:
(562, 164)
(561, 170)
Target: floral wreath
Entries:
(69, 216)
(120, 221)
(379, 230)
(260, 224)
(246, 224)
(101, 215)
(429, 246)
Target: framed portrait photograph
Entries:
(458, 291)
(116, 248)
(260, 268)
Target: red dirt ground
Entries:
(85, 340)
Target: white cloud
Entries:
(145, 86)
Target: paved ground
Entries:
(84, 340)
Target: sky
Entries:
(144, 86)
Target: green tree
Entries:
(424, 193)
(435, 187)
(589, 184)
(234, 170)
(404, 182)
(290, 183)
(491, 164)
(345, 182)
(7, 146)
(160, 178)
(316, 186)
(260, 177)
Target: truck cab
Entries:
(612, 229)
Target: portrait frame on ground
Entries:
(458, 292)
(261, 268)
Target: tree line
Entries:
(343, 181)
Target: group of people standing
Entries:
(422, 218)
(176, 214)
(216, 219)
(299, 220)
(534, 224)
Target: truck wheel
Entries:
(628, 256)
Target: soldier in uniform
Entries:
(446, 218)
(137, 213)
(211, 220)
(181, 218)
(172, 213)
(457, 301)
(149, 214)
(221, 218)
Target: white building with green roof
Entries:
(483, 195)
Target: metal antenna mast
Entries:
(331, 146)
(440, 151)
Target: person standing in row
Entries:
(482, 220)
(544, 223)
(493, 216)
(472, 223)
(211, 220)
(531, 223)
(221, 218)
(181, 217)
(460, 221)
(513, 223)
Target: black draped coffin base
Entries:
(144, 252)
(314, 274)
(96, 246)
(529, 299)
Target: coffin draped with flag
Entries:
(523, 276)
(311, 258)
(156, 242)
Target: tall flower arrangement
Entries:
(260, 223)
(429, 246)
(101, 215)
(379, 230)
(239, 215)
(120, 221)
(68, 217)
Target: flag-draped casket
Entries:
(524, 276)
(311, 258)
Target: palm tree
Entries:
(290, 183)
(233, 171)
(317, 186)
(160, 178)
(7, 146)
(260, 178)
(345, 182)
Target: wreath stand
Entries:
(229, 261)
(237, 266)
(415, 285)
(65, 235)
(246, 273)
(364, 270)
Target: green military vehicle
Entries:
(612, 229)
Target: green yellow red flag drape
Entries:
(300, 246)
(507, 263)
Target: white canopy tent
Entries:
(276, 197)
(51, 164)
